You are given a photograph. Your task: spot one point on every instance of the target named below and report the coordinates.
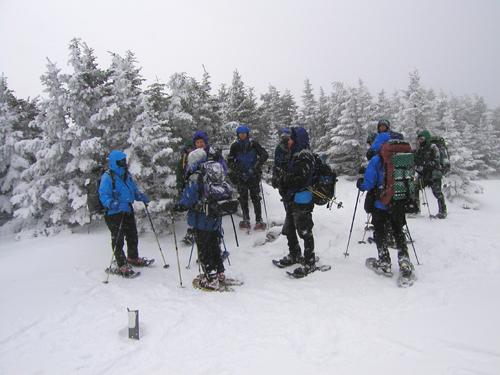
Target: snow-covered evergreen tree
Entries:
(308, 116)
(41, 200)
(416, 111)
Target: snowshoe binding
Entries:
(260, 226)
(140, 262)
(406, 274)
(303, 271)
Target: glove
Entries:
(362, 170)
(179, 207)
(143, 198)
(114, 205)
(360, 182)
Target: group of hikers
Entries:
(201, 174)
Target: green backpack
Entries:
(399, 171)
(444, 156)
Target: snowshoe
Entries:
(303, 271)
(381, 268)
(140, 262)
(245, 225)
(188, 239)
(123, 271)
(406, 274)
(212, 283)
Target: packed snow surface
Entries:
(57, 316)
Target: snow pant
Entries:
(395, 218)
(253, 186)
(299, 221)
(209, 251)
(435, 185)
(122, 226)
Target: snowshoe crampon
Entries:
(131, 274)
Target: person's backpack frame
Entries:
(444, 155)
(323, 183)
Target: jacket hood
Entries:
(380, 139)
(113, 157)
(426, 134)
(300, 138)
(383, 122)
(200, 134)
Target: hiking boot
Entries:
(189, 237)
(245, 224)
(383, 267)
(125, 270)
(441, 215)
(259, 225)
(210, 282)
(137, 262)
(288, 260)
(406, 268)
(221, 277)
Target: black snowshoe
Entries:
(127, 273)
(303, 271)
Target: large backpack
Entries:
(216, 192)
(323, 184)
(93, 202)
(444, 157)
(399, 171)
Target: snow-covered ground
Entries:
(57, 317)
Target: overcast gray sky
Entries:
(454, 44)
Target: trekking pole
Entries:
(114, 248)
(235, 235)
(190, 256)
(165, 265)
(426, 202)
(264, 201)
(366, 228)
(176, 250)
(411, 241)
(346, 254)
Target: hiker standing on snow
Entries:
(117, 192)
(246, 158)
(207, 228)
(428, 168)
(382, 215)
(298, 201)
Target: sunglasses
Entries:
(122, 163)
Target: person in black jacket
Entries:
(245, 160)
(297, 199)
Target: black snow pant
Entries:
(435, 185)
(253, 186)
(299, 221)
(122, 225)
(209, 251)
(396, 220)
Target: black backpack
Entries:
(323, 183)
(93, 202)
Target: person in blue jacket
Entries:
(382, 215)
(117, 192)
(246, 159)
(207, 229)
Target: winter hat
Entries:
(383, 122)
(425, 134)
(300, 137)
(242, 129)
(200, 134)
(196, 157)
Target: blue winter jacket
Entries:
(374, 174)
(191, 198)
(125, 191)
